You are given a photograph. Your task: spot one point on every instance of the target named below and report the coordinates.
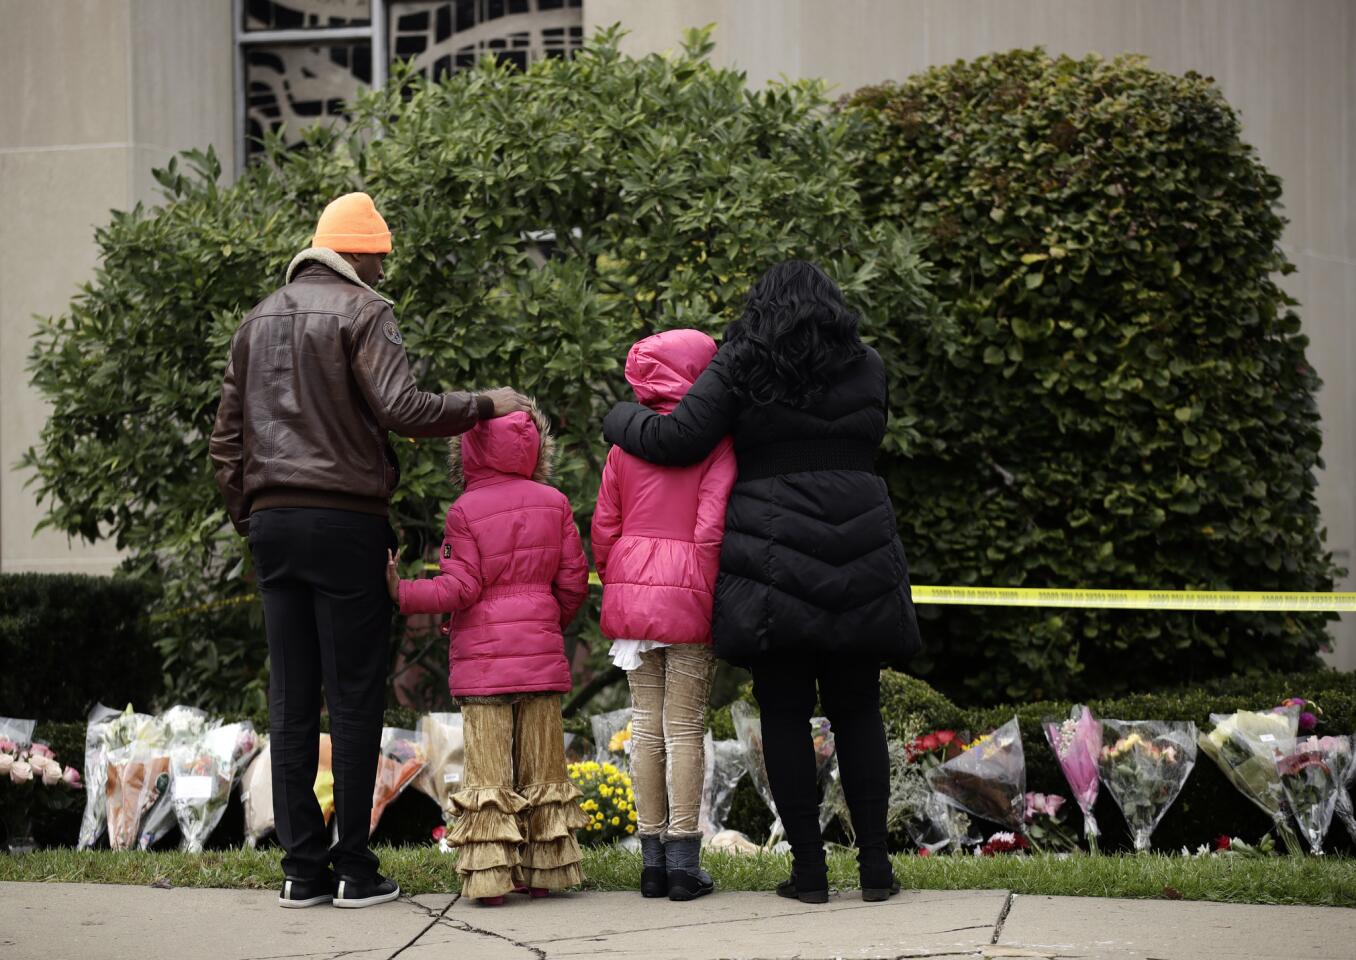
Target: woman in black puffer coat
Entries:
(813, 593)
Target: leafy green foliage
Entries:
(666, 186)
(1120, 395)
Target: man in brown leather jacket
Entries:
(316, 381)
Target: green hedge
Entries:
(68, 640)
(1207, 806)
(1122, 397)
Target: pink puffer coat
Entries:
(513, 568)
(657, 530)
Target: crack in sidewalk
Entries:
(435, 918)
(1002, 918)
(462, 925)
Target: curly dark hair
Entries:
(794, 336)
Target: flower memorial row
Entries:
(145, 775)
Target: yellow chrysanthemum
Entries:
(616, 821)
(631, 815)
(630, 829)
(605, 790)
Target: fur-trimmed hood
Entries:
(519, 445)
(327, 257)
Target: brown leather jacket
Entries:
(316, 378)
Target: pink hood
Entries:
(657, 530)
(512, 568)
(663, 368)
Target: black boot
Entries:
(654, 875)
(808, 883)
(878, 878)
(687, 879)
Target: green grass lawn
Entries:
(1328, 881)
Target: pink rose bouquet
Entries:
(30, 775)
(1313, 770)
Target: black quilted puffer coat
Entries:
(811, 560)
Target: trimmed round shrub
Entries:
(1117, 395)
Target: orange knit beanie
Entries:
(351, 224)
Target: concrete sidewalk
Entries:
(91, 922)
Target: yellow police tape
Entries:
(1223, 600)
(1218, 600)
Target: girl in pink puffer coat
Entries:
(656, 542)
(513, 575)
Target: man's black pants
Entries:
(323, 580)
(785, 687)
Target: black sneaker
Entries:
(297, 893)
(353, 894)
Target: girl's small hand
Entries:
(392, 576)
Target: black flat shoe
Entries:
(354, 894)
(793, 888)
(297, 893)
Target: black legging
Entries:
(785, 687)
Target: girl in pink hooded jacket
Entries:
(513, 575)
(656, 542)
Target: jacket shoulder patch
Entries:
(392, 332)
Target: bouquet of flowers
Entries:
(441, 737)
(176, 728)
(202, 774)
(256, 789)
(1143, 764)
(106, 727)
(607, 800)
(1003, 842)
(1243, 746)
(1313, 770)
(402, 759)
(256, 794)
(1045, 825)
(749, 732)
(28, 772)
(725, 767)
(612, 737)
(988, 778)
(1077, 742)
(1343, 809)
(932, 823)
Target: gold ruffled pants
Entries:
(518, 810)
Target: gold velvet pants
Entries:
(669, 692)
(518, 810)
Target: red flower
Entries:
(925, 852)
(930, 742)
(439, 832)
(945, 736)
(1222, 842)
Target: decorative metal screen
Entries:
(306, 14)
(440, 36)
(299, 61)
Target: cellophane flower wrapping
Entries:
(725, 767)
(931, 822)
(18, 732)
(202, 775)
(749, 732)
(179, 727)
(402, 759)
(988, 779)
(1143, 765)
(1313, 770)
(1343, 810)
(1243, 746)
(444, 744)
(132, 778)
(94, 822)
(256, 793)
(833, 803)
(612, 738)
(1077, 742)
